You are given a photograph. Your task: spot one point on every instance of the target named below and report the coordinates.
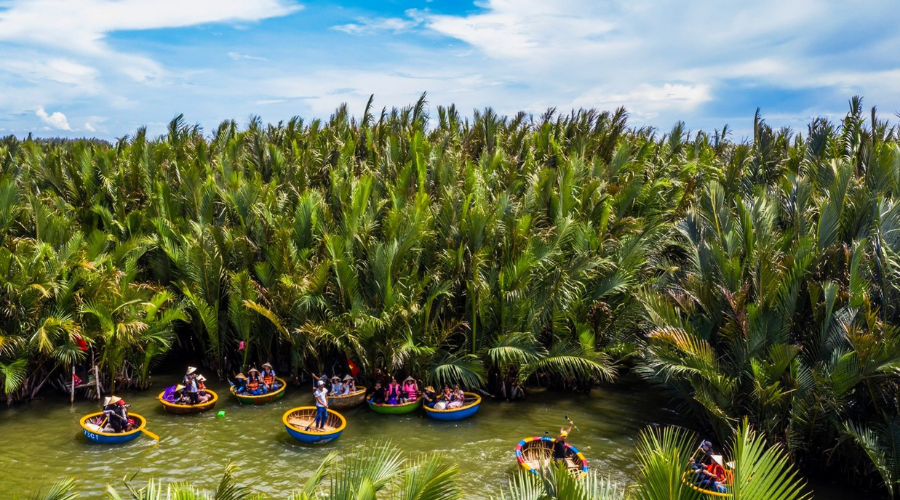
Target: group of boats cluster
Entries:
(115, 424)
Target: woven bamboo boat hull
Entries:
(263, 399)
(351, 400)
(465, 411)
(180, 409)
(685, 478)
(110, 437)
(396, 409)
(535, 453)
(298, 420)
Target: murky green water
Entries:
(42, 440)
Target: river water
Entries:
(42, 440)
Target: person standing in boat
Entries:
(560, 450)
(268, 377)
(321, 395)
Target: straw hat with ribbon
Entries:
(179, 387)
(348, 377)
(240, 376)
(409, 379)
(201, 378)
(114, 399)
(252, 370)
(191, 369)
(718, 459)
(267, 365)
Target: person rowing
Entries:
(268, 377)
(240, 383)
(321, 395)
(560, 450)
(118, 416)
(190, 385)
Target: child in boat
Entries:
(268, 377)
(378, 394)
(349, 385)
(202, 395)
(410, 389)
(394, 392)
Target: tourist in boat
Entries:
(268, 377)
(394, 392)
(459, 396)
(254, 383)
(378, 394)
(349, 385)
(321, 395)
(410, 389)
(190, 386)
(240, 383)
(712, 478)
(443, 400)
(337, 388)
(202, 395)
(560, 450)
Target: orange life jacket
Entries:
(717, 470)
(253, 383)
(269, 379)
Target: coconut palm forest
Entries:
(753, 277)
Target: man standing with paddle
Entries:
(321, 395)
(560, 450)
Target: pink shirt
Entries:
(411, 390)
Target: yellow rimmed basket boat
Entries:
(398, 409)
(729, 477)
(472, 403)
(299, 424)
(180, 409)
(351, 400)
(90, 425)
(535, 453)
(262, 399)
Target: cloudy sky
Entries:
(105, 67)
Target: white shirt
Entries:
(321, 395)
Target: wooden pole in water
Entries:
(97, 381)
(72, 399)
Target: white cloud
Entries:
(57, 120)
(237, 56)
(81, 26)
(89, 128)
(370, 25)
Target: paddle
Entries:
(570, 422)
(150, 435)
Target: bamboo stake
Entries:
(72, 398)
(97, 381)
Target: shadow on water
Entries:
(197, 447)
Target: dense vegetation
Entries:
(753, 278)
(380, 471)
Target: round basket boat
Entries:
(472, 403)
(534, 453)
(396, 409)
(262, 399)
(351, 400)
(299, 424)
(90, 426)
(729, 475)
(181, 409)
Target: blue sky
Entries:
(105, 67)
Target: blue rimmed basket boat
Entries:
(535, 453)
(90, 423)
(298, 420)
(471, 406)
